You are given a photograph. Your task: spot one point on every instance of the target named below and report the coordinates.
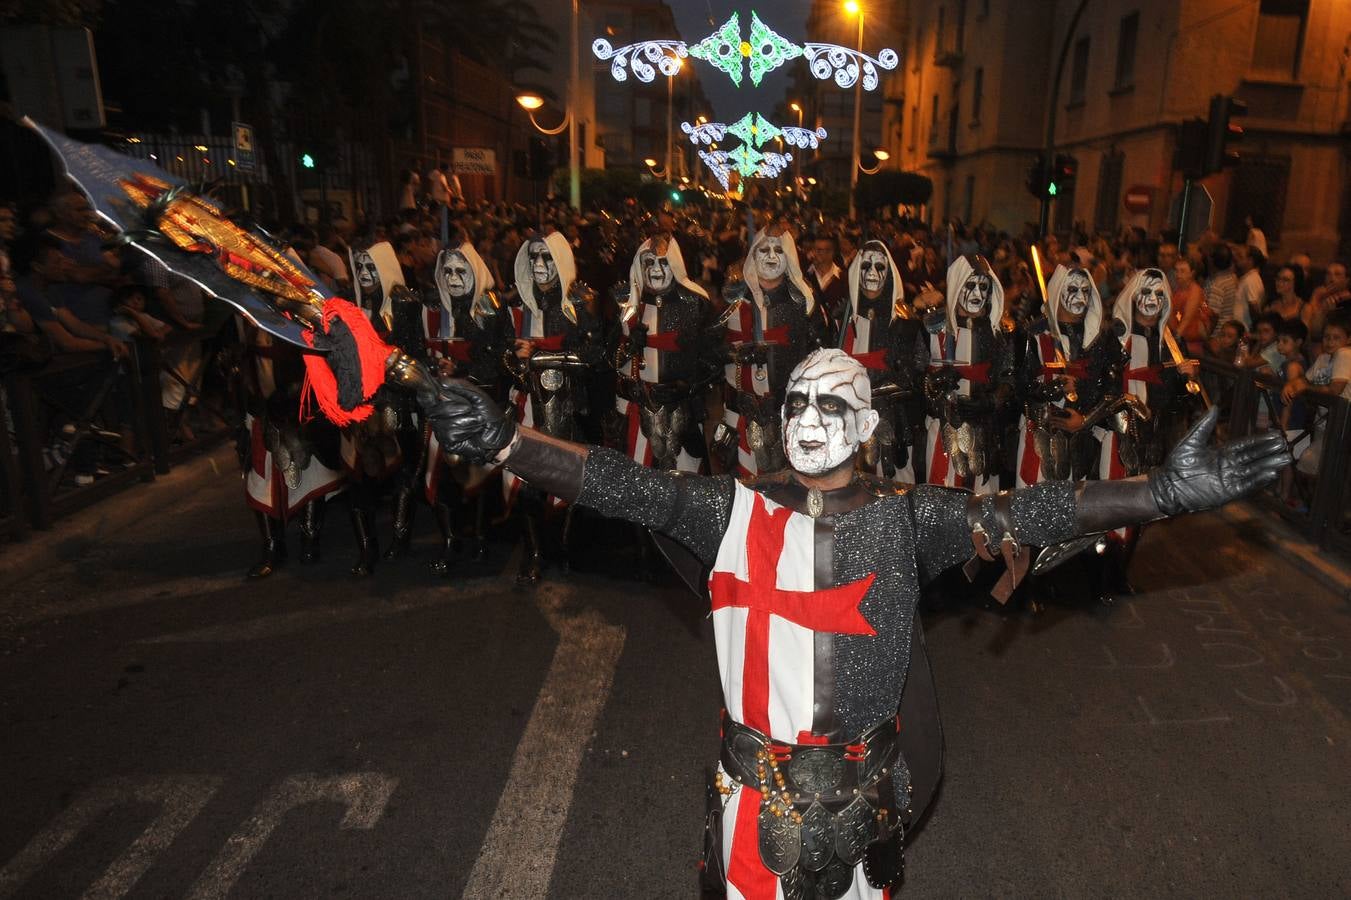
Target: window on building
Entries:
(938, 32)
(1280, 38)
(914, 126)
(1079, 72)
(1125, 51)
(1263, 182)
(984, 8)
(977, 88)
(1109, 190)
(933, 115)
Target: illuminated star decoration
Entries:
(764, 50)
(748, 159)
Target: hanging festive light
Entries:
(762, 51)
(759, 129)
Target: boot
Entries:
(450, 545)
(368, 548)
(403, 522)
(273, 532)
(532, 558)
(311, 525)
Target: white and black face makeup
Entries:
(872, 272)
(457, 276)
(974, 296)
(368, 276)
(827, 413)
(770, 261)
(1077, 293)
(657, 275)
(1150, 297)
(543, 269)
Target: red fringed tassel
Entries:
(360, 357)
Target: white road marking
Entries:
(180, 796)
(518, 853)
(363, 793)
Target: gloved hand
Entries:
(468, 423)
(1197, 477)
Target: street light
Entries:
(881, 156)
(670, 106)
(854, 8)
(532, 102)
(651, 164)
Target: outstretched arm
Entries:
(954, 526)
(693, 511)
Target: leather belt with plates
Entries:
(824, 807)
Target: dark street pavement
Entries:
(171, 730)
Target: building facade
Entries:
(635, 120)
(977, 75)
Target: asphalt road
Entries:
(171, 730)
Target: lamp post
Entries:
(881, 156)
(670, 114)
(797, 175)
(854, 7)
(574, 103)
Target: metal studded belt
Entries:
(823, 807)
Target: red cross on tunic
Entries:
(831, 609)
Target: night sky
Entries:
(699, 18)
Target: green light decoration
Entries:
(746, 160)
(764, 51)
(754, 130)
(722, 48)
(768, 50)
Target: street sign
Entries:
(245, 158)
(1138, 198)
(1200, 212)
(473, 161)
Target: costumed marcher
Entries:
(466, 330)
(831, 744)
(1155, 385)
(1069, 383)
(773, 324)
(969, 381)
(558, 342)
(668, 352)
(371, 450)
(880, 331)
(825, 278)
(291, 467)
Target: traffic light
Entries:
(1037, 180)
(1221, 131)
(307, 161)
(1062, 174)
(1190, 157)
(541, 159)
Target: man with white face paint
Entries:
(969, 382)
(774, 323)
(463, 329)
(831, 746)
(559, 346)
(880, 331)
(1061, 380)
(668, 352)
(1144, 308)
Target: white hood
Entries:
(1056, 288)
(389, 270)
(567, 269)
(958, 272)
(793, 271)
(1123, 309)
(674, 258)
(855, 276)
(483, 281)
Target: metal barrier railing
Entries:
(1314, 497)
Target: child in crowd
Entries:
(1329, 376)
(1263, 354)
(1224, 343)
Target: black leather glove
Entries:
(1196, 476)
(468, 423)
